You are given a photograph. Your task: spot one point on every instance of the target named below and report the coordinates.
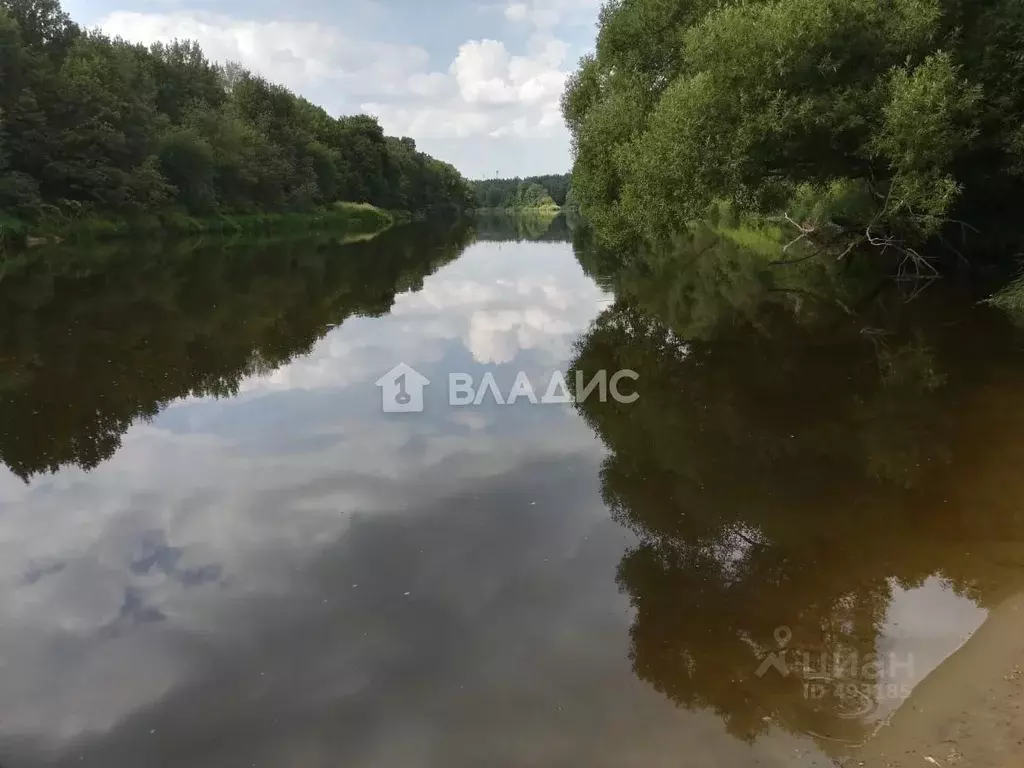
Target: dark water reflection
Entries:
(803, 478)
(215, 550)
(91, 341)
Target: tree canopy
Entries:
(532, 192)
(856, 116)
(93, 125)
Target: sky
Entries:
(475, 82)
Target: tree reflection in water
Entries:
(790, 463)
(92, 339)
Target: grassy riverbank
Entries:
(350, 218)
(549, 210)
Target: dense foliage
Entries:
(533, 192)
(91, 125)
(874, 121)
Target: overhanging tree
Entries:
(846, 114)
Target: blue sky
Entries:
(475, 82)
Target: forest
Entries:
(891, 128)
(98, 128)
(551, 191)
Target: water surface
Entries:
(217, 550)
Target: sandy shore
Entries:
(968, 712)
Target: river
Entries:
(223, 542)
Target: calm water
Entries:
(217, 550)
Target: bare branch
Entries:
(807, 230)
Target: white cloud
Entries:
(497, 337)
(295, 54)
(425, 122)
(547, 14)
(517, 12)
(428, 85)
(487, 74)
(488, 93)
(481, 69)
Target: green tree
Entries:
(95, 126)
(184, 78)
(187, 162)
(532, 192)
(19, 194)
(104, 128)
(44, 25)
(871, 119)
(26, 79)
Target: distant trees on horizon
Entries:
(549, 191)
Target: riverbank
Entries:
(968, 711)
(552, 210)
(355, 219)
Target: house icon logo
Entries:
(401, 389)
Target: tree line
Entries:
(551, 191)
(858, 123)
(97, 126)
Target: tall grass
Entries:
(1010, 300)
